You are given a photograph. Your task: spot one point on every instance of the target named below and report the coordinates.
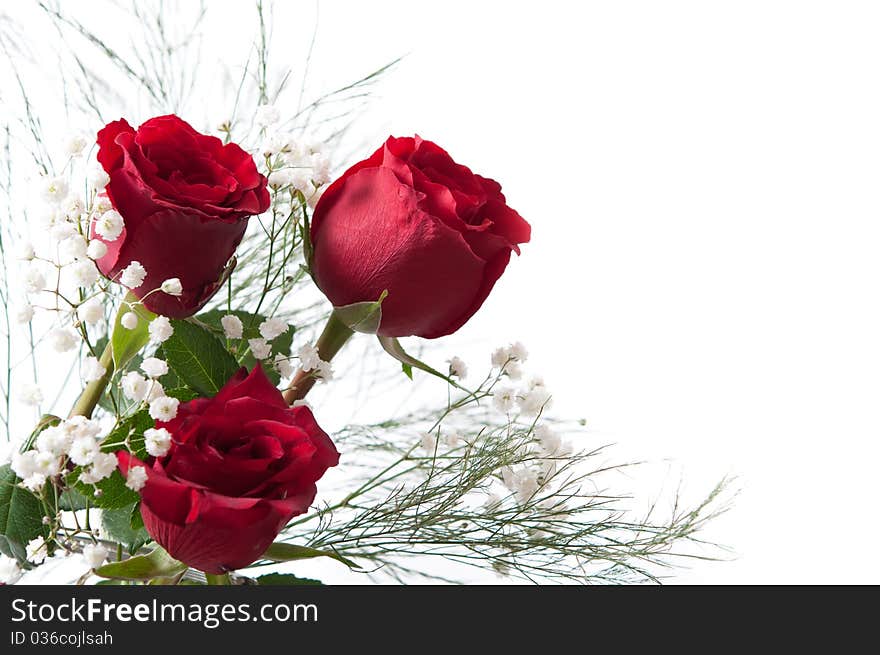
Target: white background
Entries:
(702, 182)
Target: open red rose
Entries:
(185, 198)
(240, 466)
(411, 221)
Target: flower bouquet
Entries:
(190, 287)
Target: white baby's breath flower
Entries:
(302, 182)
(72, 248)
(164, 409)
(324, 371)
(54, 440)
(280, 178)
(129, 320)
(92, 369)
(232, 327)
(34, 280)
(320, 168)
(63, 340)
(24, 314)
(25, 251)
(10, 572)
(157, 441)
(428, 441)
(154, 367)
(156, 390)
(133, 275)
(73, 207)
(24, 464)
(160, 329)
(458, 368)
(36, 551)
(267, 115)
(500, 357)
(110, 225)
(513, 370)
(283, 365)
(96, 249)
(34, 482)
(313, 199)
(276, 143)
(534, 401)
(549, 440)
(74, 145)
(47, 464)
(260, 348)
(136, 478)
(80, 426)
(492, 501)
(523, 483)
(272, 328)
(98, 178)
(54, 190)
(84, 273)
(172, 287)
(62, 230)
(504, 399)
(29, 394)
(83, 450)
(519, 352)
(91, 311)
(95, 555)
(308, 357)
(102, 204)
(453, 439)
(102, 467)
(134, 386)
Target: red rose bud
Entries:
(184, 199)
(240, 466)
(411, 221)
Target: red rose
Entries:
(185, 199)
(412, 221)
(240, 466)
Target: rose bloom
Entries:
(185, 198)
(241, 464)
(411, 221)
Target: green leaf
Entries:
(394, 348)
(172, 384)
(128, 343)
(114, 493)
(199, 358)
(72, 500)
(251, 323)
(112, 392)
(286, 579)
(21, 515)
(156, 564)
(282, 552)
(131, 428)
(117, 525)
(45, 421)
(362, 316)
(305, 232)
(407, 370)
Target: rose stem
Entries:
(221, 579)
(90, 396)
(334, 336)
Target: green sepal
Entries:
(282, 552)
(155, 564)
